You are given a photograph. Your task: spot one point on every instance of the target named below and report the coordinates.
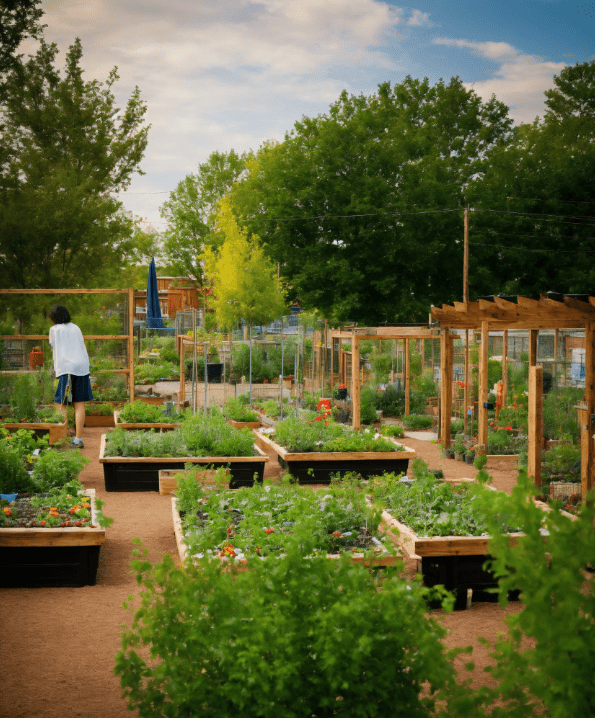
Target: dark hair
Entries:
(59, 314)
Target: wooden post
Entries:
(182, 352)
(445, 386)
(131, 308)
(587, 453)
(466, 256)
(407, 370)
(466, 389)
(535, 423)
(505, 367)
(533, 347)
(482, 399)
(355, 382)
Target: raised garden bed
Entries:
(39, 556)
(141, 473)
(272, 516)
(134, 426)
(99, 414)
(319, 467)
(168, 480)
(244, 424)
(56, 432)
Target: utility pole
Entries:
(466, 255)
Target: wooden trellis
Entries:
(550, 311)
(129, 338)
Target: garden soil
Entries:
(58, 644)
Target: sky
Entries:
(231, 74)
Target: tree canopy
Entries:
(66, 149)
(532, 230)
(362, 206)
(191, 209)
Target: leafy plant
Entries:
(548, 565)
(288, 637)
(23, 400)
(236, 410)
(392, 430)
(105, 409)
(154, 372)
(54, 469)
(417, 422)
(390, 401)
(13, 475)
(139, 412)
(367, 405)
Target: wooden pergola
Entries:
(550, 311)
(355, 335)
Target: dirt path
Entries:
(58, 645)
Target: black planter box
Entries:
(122, 473)
(47, 566)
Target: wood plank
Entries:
(535, 422)
(355, 383)
(63, 291)
(168, 483)
(482, 418)
(63, 536)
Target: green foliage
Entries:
(561, 463)
(393, 430)
(236, 410)
(155, 372)
(59, 218)
(202, 435)
(505, 442)
(13, 475)
(139, 412)
(191, 208)
(295, 435)
(433, 508)
(353, 167)
(267, 520)
(559, 413)
(390, 401)
(23, 400)
(417, 421)
(105, 409)
(548, 565)
(245, 278)
(19, 19)
(55, 469)
(287, 637)
(367, 405)
(422, 388)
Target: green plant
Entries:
(54, 469)
(13, 475)
(559, 413)
(105, 409)
(544, 664)
(480, 461)
(237, 410)
(561, 463)
(390, 401)
(288, 637)
(23, 400)
(139, 412)
(417, 421)
(367, 405)
(154, 372)
(393, 430)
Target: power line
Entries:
(527, 249)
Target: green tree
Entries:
(354, 204)
(530, 232)
(66, 153)
(243, 277)
(19, 19)
(190, 211)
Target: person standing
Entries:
(71, 365)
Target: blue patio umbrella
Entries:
(154, 320)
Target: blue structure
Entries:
(154, 320)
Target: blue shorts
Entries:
(80, 388)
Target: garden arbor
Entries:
(550, 311)
(355, 335)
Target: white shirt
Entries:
(70, 352)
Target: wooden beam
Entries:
(482, 433)
(587, 454)
(445, 387)
(466, 389)
(533, 347)
(131, 313)
(535, 423)
(355, 382)
(407, 370)
(64, 291)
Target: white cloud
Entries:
(519, 80)
(419, 19)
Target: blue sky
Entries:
(222, 74)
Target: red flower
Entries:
(338, 534)
(270, 531)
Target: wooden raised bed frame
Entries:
(56, 431)
(136, 427)
(141, 473)
(388, 560)
(317, 467)
(66, 556)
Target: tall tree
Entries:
(19, 19)
(243, 278)
(532, 231)
(363, 206)
(190, 211)
(65, 153)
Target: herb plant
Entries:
(416, 422)
(290, 637)
(139, 412)
(236, 410)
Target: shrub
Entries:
(289, 637)
(548, 565)
(54, 469)
(13, 476)
(390, 401)
(368, 406)
(417, 421)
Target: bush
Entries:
(548, 568)
(367, 405)
(417, 422)
(390, 401)
(13, 476)
(54, 469)
(290, 637)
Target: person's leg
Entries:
(79, 418)
(62, 409)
